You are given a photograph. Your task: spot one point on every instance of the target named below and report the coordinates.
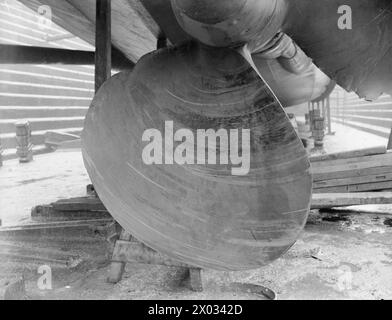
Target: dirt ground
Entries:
(345, 256)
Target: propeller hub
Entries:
(230, 23)
(210, 12)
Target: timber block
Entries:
(71, 209)
(195, 279)
(127, 250)
(58, 229)
(117, 267)
(90, 191)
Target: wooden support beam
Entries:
(19, 54)
(117, 267)
(55, 225)
(390, 141)
(128, 249)
(329, 114)
(103, 42)
(349, 154)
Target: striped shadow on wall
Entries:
(51, 97)
(371, 117)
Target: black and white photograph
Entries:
(195, 154)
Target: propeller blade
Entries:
(193, 206)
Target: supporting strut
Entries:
(103, 42)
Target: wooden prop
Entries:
(128, 249)
(318, 131)
(103, 42)
(201, 215)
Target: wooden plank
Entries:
(350, 154)
(353, 180)
(351, 173)
(356, 188)
(54, 225)
(47, 213)
(12, 250)
(103, 42)
(356, 160)
(380, 161)
(79, 204)
(331, 200)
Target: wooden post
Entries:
(103, 42)
(329, 114)
(128, 249)
(195, 279)
(24, 149)
(117, 267)
(389, 147)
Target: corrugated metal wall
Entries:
(51, 97)
(372, 117)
